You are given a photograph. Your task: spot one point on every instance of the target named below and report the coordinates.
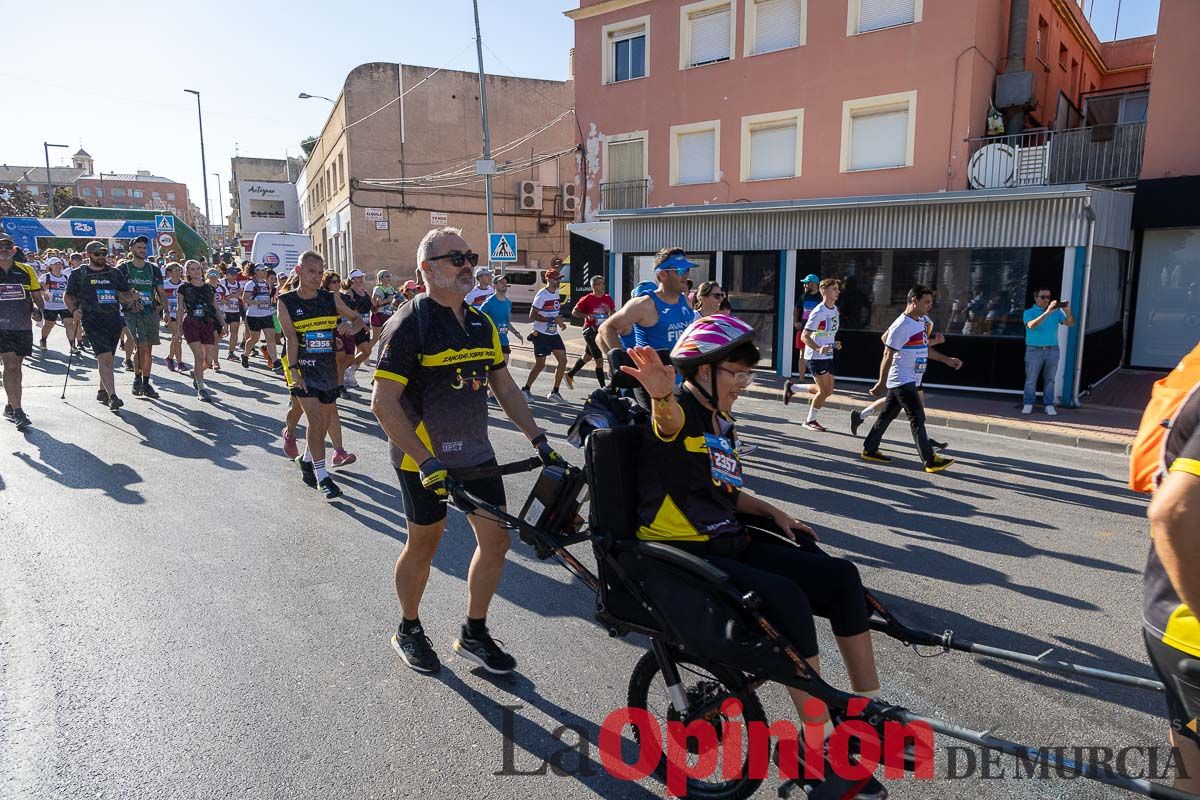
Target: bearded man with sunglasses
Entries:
(438, 357)
(95, 294)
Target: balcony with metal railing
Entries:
(1102, 155)
(621, 195)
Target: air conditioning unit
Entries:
(530, 196)
(570, 198)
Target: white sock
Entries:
(307, 457)
(873, 694)
(319, 468)
(812, 413)
(866, 412)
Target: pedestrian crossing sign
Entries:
(164, 223)
(502, 248)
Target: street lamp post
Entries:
(49, 177)
(307, 96)
(221, 209)
(487, 139)
(203, 168)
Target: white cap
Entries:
(52, 260)
(356, 273)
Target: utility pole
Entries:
(50, 177)
(203, 171)
(221, 207)
(487, 143)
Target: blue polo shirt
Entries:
(1046, 334)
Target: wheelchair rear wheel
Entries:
(704, 686)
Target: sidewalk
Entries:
(1103, 428)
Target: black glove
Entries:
(433, 476)
(547, 454)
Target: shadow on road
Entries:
(73, 467)
(920, 615)
(545, 747)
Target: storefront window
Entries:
(979, 292)
(752, 281)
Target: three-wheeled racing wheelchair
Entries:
(710, 643)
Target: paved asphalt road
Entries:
(181, 618)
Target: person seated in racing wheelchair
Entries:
(691, 491)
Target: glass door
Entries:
(752, 281)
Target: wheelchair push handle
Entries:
(466, 500)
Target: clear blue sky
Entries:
(111, 76)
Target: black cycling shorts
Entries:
(325, 397)
(54, 315)
(545, 343)
(423, 507)
(266, 323)
(589, 340)
(1182, 690)
(103, 335)
(17, 342)
(821, 366)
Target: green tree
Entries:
(64, 198)
(17, 202)
(307, 146)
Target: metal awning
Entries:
(1032, 217)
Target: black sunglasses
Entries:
(458, 259)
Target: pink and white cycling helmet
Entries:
(709, 340)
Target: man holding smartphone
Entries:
(1041, 347)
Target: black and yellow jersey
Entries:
(315, 321)
(444, 366)
(17, 286)
(1164, 615)
(689, 484)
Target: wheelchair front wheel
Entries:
(648, 690)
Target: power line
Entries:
(464, 167)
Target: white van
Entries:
(524, 282)
(279, 251)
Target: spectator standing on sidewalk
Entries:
(1041, 347)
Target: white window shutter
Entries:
(879, 140)
(773, 152)
(625, 161)
(876, 14)
(709, 36)
(776, 25)
(696, 156)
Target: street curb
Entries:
(1013, 430)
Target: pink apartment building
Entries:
(849, 138)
